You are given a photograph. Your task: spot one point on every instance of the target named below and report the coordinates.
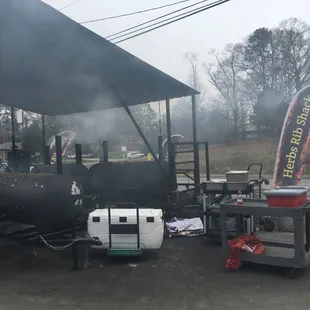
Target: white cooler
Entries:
(151, 227)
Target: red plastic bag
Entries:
(244, 243)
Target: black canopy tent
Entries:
(51, 65)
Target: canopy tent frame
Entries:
(65, 68)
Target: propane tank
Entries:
(48, 201)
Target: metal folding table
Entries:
(279, 250)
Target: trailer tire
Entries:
(108, 200)
(267, 224)
(294, 273)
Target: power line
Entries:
(66, 6)
(154, 19)
(219, 2)
(158, 23)
(133, 13)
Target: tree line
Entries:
(251, 82)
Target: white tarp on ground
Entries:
(185, 227)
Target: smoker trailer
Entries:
(56, 76)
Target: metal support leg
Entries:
(75, 255)
(86, 257)
(239, 224)
(171, 155)
(43, 139)
(160, 148)
(307, 231)
(224, 234)
(110, 233)
(196, 147)
(138, 228)
(204, 201)
(47, 155)
(210, 219)
(13, 131)
(105, 152)
(207, 161)
(299, 237)
(78, 154)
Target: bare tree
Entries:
(262, 59)
(194, 76)
(295, 48)
(228, 78)
(182, 111)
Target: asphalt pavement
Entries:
(185, 274)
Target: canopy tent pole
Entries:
(196, 147)
(47, 155)
(78, 154)
(148, 145)
(43, 137)
(105, 151)
(13, 131)
(171, 160)
(58, 145)
(160, 148)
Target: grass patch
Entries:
(237, 156)
(115, 155)
(241, 154)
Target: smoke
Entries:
(93, 126)
(271, 98)
(270, 110)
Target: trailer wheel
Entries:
(267, 224)
(108, 200)
(294, 273)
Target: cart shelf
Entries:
(281, 248)
(277, 256)
(276, 237)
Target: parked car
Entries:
(134, 155)
(89, 155)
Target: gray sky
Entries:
(164, 48)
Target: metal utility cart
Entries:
(216, 192)
(289, 250)
(211, 204)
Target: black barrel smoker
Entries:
(49, 201)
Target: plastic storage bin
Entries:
(237, 176)
(287, 197)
